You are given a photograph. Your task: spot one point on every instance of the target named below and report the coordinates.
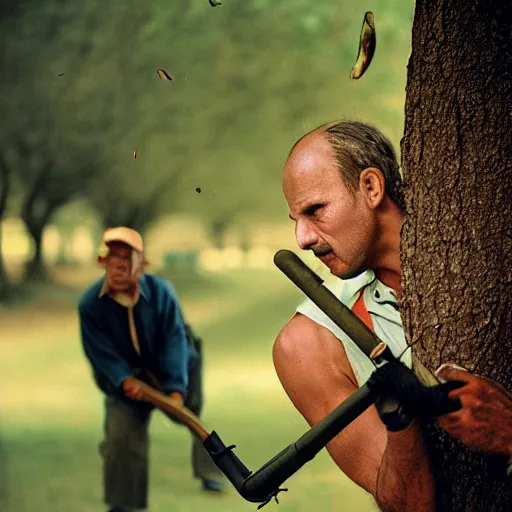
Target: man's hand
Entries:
(132, 388)
(178, 398)
(485, 420)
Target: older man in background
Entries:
(132, 329)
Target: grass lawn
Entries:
(51, 413)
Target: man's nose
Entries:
(305, 235)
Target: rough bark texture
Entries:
(457, 239)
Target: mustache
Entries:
(321, 250)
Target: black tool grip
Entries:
(266, 481)
(264, 484)
(437, 402)
(396, 381)
(393, 414)
(223, 456)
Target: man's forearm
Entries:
(405, 482)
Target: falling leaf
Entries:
(198, 190)
(134, 153)
(367, 43)
(163, 74)
(214, 3)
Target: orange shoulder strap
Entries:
(360, 310)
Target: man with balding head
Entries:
(132, 329)
(343, 188)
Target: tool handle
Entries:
(437, 402)
(311, 284)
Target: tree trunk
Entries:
(245, 238)
(5, 284)
(35, 268)
(5, 189)
(457, 240)
(218, 229)
(36, 222)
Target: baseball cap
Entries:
(124, 235)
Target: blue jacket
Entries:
(164, 348)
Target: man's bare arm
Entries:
(313, 368)
(404, 480)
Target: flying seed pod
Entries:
(367, 43)
(163, 74)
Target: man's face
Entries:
(337, 225)
(118, 268)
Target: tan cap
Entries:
(125, 235)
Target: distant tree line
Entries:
(84, 114)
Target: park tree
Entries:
(5, 188)
(48, 160)
(83, 95)
(50, 180)
(457, 239)
(8, 11)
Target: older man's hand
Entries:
(485, 420)
(177, 398)
(132, 388)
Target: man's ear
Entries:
(101, 260)
(372, 186)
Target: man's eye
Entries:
(312, 210)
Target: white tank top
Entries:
(382, 306)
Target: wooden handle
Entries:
(167, 404)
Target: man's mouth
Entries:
(324, 255)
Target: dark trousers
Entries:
(125, 448)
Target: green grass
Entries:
(51, 417)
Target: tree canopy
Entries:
(83, 98)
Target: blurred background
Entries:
(91, 137)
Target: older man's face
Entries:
(118, 268)
(336, 225)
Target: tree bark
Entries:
(457, 239)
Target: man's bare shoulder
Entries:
(299, 333)
(306, 349)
